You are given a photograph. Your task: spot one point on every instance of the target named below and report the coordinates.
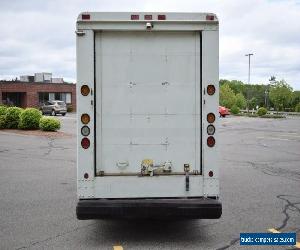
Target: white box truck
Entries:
(147, 107)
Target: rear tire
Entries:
(53, 113)
(63, 114)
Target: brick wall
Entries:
(31, 91)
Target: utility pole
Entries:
(249, 56)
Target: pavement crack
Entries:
(289, 206)
(50, 147)
(55, 236)
(231, 243)
(4, 150)
(272, 171)
(266, 168)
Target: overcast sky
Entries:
(38, 36)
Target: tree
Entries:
(295, 99)
(235, 85)
(227, 96)
(252, 103)
(281, 94)
(240, 100)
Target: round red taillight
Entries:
(85, 143)
(210, 173)
(85, 90)
(86, 176)
(85, 118)
(211, 89)
(211, 141)
(211, 117)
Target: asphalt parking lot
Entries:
(260, 189)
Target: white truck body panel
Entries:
(151, 107)
(148, 101)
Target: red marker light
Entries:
(135, 17)
(86, 176)
(211, 141)
(161, 17)
(210, 173)
(210, 17)
(148, 17)
(86, 17)
(85, 143)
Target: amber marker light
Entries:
(211, 117)
(85, 90)
(211, 89)
(85, 118)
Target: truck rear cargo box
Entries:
(147, 103)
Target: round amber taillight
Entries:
(211, 117)
(85, 143)
(211, 89)
(85, 118)
(85, 90)
(211, 141)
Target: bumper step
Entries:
(193, 208)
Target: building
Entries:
(43, 77)
(57, 80)
(34, 94)
(27, 78)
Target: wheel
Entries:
(63, 114)
(223, 116)
(53, 113)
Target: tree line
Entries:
(278, 95)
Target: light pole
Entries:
(249, 56)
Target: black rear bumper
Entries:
(192, 208)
